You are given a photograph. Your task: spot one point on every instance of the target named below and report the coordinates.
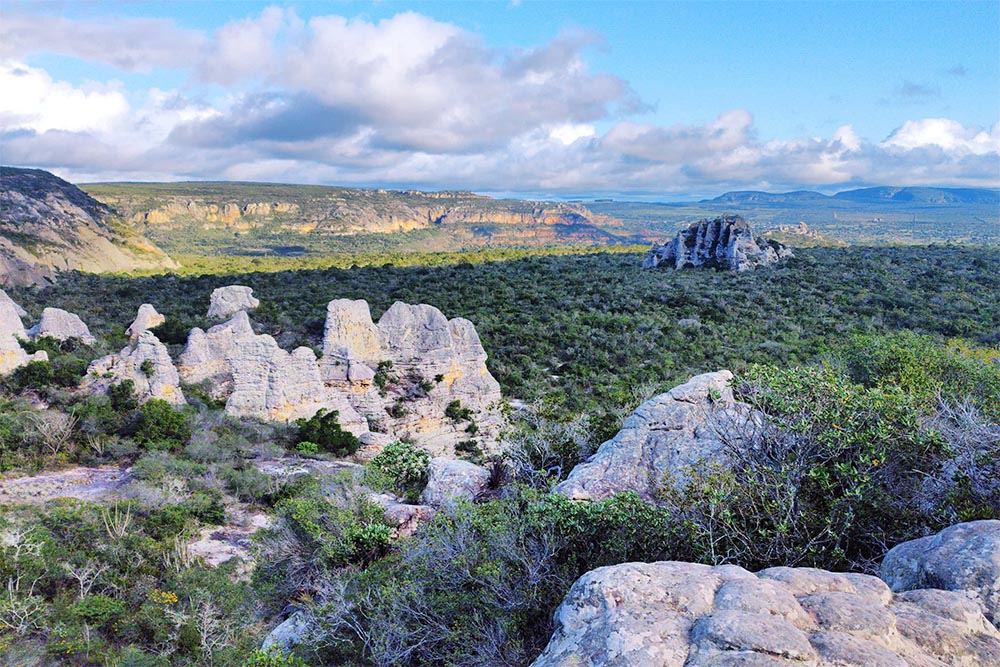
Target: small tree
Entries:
(325, 430)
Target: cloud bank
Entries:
(413, 102)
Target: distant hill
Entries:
(48, 225)
(265, 218)
(878, 195)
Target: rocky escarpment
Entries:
(725, 242)
(48, 225)
(415, 373)
(664, 438)
(673, 614)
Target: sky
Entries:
(667, 100)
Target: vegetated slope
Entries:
(584, 332)
(882, 215)
(49, 225)
(262, 218)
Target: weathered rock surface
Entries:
(726, 242)
(451, 479)
(12, 355)
(61, 325)
(660, 441)
(146, 318)
(963, 558)
(206, 355)
(229, 300)
(672, 614)
(288, 634)
(424, 348)
(48, 225)
(146, 362)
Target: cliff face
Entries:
(726, 242)
(307, 214)
(48, 225)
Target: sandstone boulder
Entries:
(352, 345)
(672, 614)
(451, 479)
(288, 634)
(12, 355)
(147, 363)
(206, 355)
(229, 300)
(61, 325)
(664, 438)
(725, 242)
(964, 558)
(146, 318)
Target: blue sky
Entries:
(537, 98)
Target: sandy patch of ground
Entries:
(81, 483)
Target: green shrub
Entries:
(324, 430)
(161, 426)
(207, 507)
(307, 448)
(123, 396)
(98, 610)
(400, 467)
(167, 522)
(455, 412)
(34, 375)
(273, 658)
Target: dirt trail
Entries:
(80, 483)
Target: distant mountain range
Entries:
(877, 195)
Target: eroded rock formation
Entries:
(146, 318)
(661, 440)
(964, 558)
(451, 479)
(12, 355)
(145, 361)
(673, 614)
(229, 300)
(61, 325)
(725, 242)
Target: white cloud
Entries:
(948, 135)
(31, 100)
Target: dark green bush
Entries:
(161, 426)
(400, 467)
(324, 430)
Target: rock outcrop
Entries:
(963, 558)
(229, 300)
(453, 479)
(61, 325)
(673, 614)
(725, 242)
(664, 438)
(48, 225)
(146, 318)
(146, 362)
(12, 355)
(428, 363)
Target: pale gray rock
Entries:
(661, 441)
(452, 479)
(726, 242)
(7, 302)
(146, 318)
(672, 614)
(61, 325)
(350, 341)
(964, 558)
(291, 632)
(206, 355)
(229, 300)
(12, 355)
(146, 362)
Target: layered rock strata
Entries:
(725, 242)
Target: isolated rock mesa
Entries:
(664, 438)
(48, 225)
(725, 242)
(673, 614)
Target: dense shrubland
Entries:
(878, 370)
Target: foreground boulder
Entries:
(229, 300)
(963, 558)
(61, 325)
(672, 614)
(725, 242)
(12, 355)
(664, 438)
(453, 479)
